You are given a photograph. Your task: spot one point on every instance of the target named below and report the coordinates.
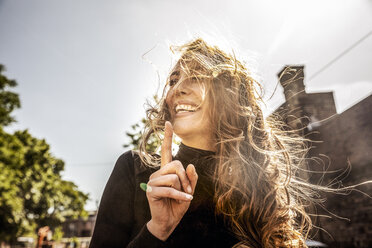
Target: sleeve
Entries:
(114, 223)
(146, 239)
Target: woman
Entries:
(232, 182)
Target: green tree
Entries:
(32, 191)
(135, 137)
(153, 142)
(8, 100)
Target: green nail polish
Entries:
(143, 186)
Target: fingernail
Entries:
(189, 196)
(145, 187)
(189, 189)
(149, 189)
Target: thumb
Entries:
(192, 175)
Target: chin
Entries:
(183, 129)
(193, 125)
(187, 129)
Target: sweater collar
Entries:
(201, 159)
(187, 153)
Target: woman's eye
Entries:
(173, 82)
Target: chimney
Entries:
(292, 80)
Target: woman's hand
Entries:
(169, 191)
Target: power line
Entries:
(340, 55)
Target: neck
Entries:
(203, 144)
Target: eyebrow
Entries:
(175, 73)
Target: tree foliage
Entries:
(8, 100)
(135, 137)
(153, 143)
(32, 191)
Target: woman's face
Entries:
(188, 105)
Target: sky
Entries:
(85, 68)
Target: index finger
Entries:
(166, 146)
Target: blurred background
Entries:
(84, 70)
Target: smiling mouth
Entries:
(184, 108)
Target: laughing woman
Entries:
(232, 182)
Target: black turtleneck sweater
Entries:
(124, 209)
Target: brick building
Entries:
(81, 227)
(342, 142)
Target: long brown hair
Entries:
(257, 189)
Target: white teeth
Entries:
(183, 107)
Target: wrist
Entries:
(159, 231)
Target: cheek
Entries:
(209, 115)
(207, 119)
(200, 91)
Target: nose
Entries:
(181, 89)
